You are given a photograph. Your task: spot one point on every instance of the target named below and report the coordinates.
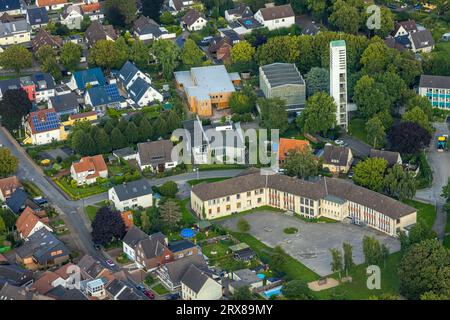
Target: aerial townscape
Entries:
(224, 150)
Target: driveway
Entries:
(359, 148)
(440, 164)
(311, 244)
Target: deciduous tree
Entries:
(301, 164)
(375, 132)
(409, 137)
(370, 173)
(16, 57)
(107, 226)
(191, 54)
(70, 56)
(8, 163)
(319, 114)
(400, 184)
(242, 52)
(317, 79)
(14, 106)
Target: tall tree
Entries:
(317, 79)
(70, 55)
(170, 214)
(375, 132)
(139, 53)
(131, 133)
(145, 130)
(425, 267)
(152, 8)
(400, 184)
(169, 189)
(14, 106)
(371, 250)
(102, 141)
(167, 54)
(242, 101)
(296, 290)
(345, 17)
(418, 116)
(370, 97)
(8, 163)
(191, 54)
(120, 13)
(16, 57)
(319, 114)
(348, 257)
(243, 226)
(370, 173)
(409, 137)
(104, 54)
(301, 164)
(336, 261)
(107, 226)
(118, 140)
(173, 121)
(242, 52)
(274, 114)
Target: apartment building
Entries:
(336, 199)
(436, 89)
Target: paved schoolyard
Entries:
(311, 244)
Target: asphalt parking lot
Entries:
(311, 244)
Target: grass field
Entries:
(357, 129)
(208, 180)
(186, 215)
(426, 212)
(79, 192)
(91, 210)
(160, 289)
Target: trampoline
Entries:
(187, 233)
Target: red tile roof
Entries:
(289, 145)
(9, 185)
(27, 221)
(127, 217)
(91, 7)
(82, 115)
(94, 163)
(47, 3)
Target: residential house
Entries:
(61, 293)
(193, 20)
(244, 278)
(243, 26)
(337, 159)
(10, 292)
(95, 288)
(45, 282)
(94, 11)
(153, 252)
(308, 26)
(288, 146)
(155, 155)
(337, 199)
(198, 285)
(283, 80)
(422, 41)
(91, 268)
(129, 73)
(276, 17)
(37, 17)
(170, 274)
(436, 89)
(85, 79)
(146, 29)
(183, 248)
(220, 49)
(88, 170)
(177, 6)
(97, 31)
(52, 4)
(241, 11)
(72, 16)
(143, 94)
(131, 195)
(8, 186)
(15, 275)
(15, 32)
(44, 85)
(102, 98)
(19, 200)
(202, 143)
(66, 104)
(10, 7)
(42, 127)
(207, 88)
(30, 222)
(118, 290)
(132, 238)
(42, 250)
(391, 157)
(44, 38)
(404, 28)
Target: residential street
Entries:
(440, 164)
(73, 211)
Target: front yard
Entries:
(82, 191)
(91, 210)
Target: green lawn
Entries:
(357, 129)
(79, 192)
(243, 213)
(160, 289)
(426, 212)
(208, 180)
(91, 210)
(357, 289)
(292, 268)
(221, 166)
(186, 215)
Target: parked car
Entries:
(149, 294)
(97, 247)
(110, 263)
(174, 296)
(339, 142)
(140, 288)
(40, 201)
(350, 175)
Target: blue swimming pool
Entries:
(261, 275)
(275, 291)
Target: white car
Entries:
(110, 263)
(339, 142)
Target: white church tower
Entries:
(338, 80)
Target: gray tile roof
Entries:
(133, 236)
(280, 74)
(9, 28)
(178, 268)
(390, 156)
(37, 16)
(422, 39)
(9, 292)
(438, 82)
(194, 278)
(192, 16)
(310, 189)
(65, 102)
(127, 73)
(15, 275)
(336, 155)
(133, 189)
(277, 12)
(154, 245)
(155, 152)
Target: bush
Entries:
(169, 189)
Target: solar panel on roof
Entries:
(112, 92)
(51, 122)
